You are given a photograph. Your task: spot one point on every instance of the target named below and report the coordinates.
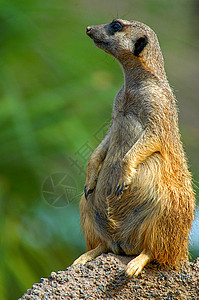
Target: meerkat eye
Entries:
(116, 26)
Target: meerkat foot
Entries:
(136, 265)
(88, 256)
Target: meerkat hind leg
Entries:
(136, 265)
(89, 255)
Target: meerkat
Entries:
(138, 198)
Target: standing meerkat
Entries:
(138, 198)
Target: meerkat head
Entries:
(127, 40)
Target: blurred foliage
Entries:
(57, 92)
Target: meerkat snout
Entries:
(91, 32)
(88, 30)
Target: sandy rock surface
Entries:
(104, 278)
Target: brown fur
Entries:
(152, 215)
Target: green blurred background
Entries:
(57, 91)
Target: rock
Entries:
(104, 278)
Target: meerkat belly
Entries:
(124, 134)
(125, 131)
(139, 205)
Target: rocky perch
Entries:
(104, 278)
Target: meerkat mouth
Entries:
(101, 44)
(98, 42)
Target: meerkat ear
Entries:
(140, 45)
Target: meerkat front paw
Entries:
(120, 189)
(90, 186)
(126, 177)
(87, 191)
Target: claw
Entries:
(116, 190)
(119, 189)
(132, 272)
(87, 191)
(136, 265)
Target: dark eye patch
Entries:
(115, 26)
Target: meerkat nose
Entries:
(88, 29)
